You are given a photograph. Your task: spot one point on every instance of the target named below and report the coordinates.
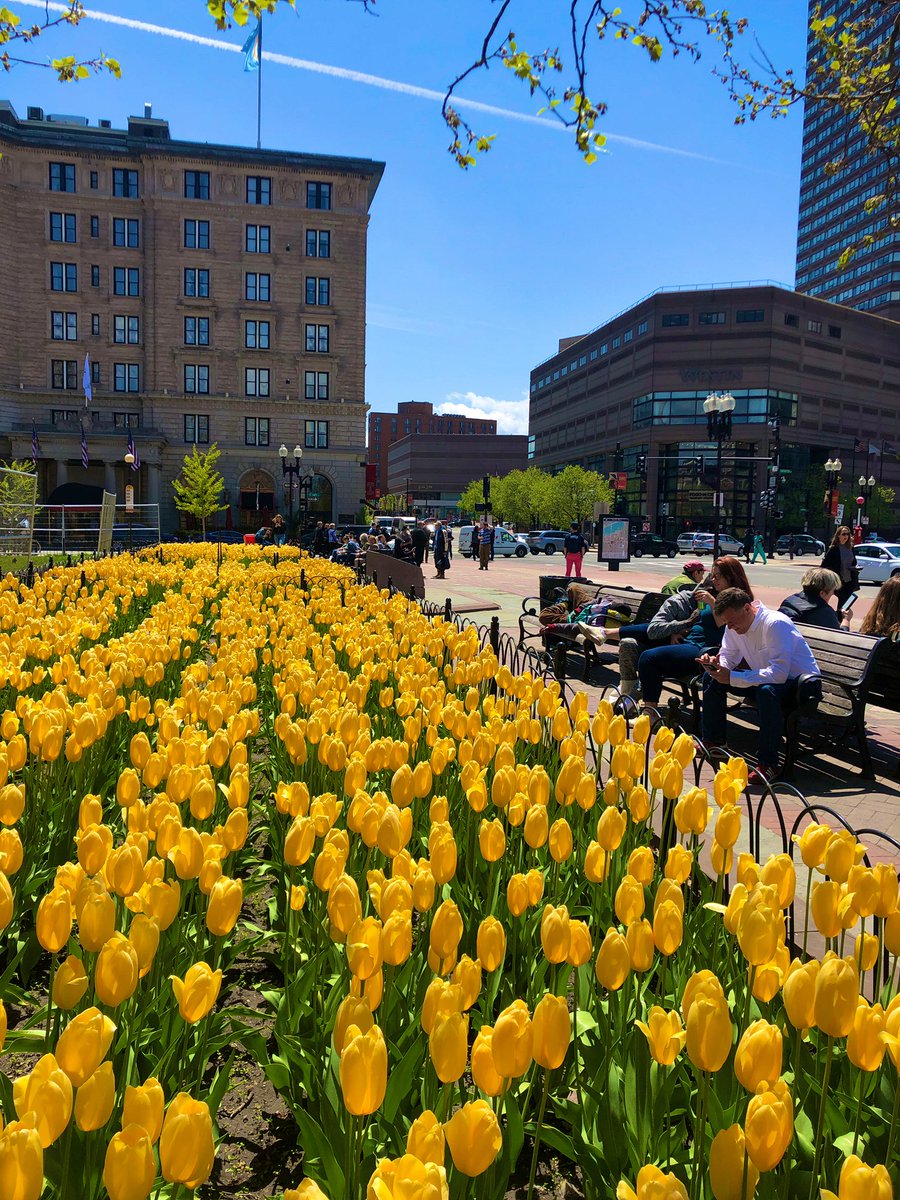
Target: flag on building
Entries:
(251, 49)
(86, 381)
(35, 445)
(84, 450)
(859, 446)
(873, 449)
(132, 450)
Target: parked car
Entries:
(702, 543)
(652, 543)
(228, 536)
(804, 543)
(546, 541)
(505, 543)
(877, 561)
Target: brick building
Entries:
(435, 468)
(219, 293)
(413, 419)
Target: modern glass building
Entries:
(832, 204)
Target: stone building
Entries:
(217, 293)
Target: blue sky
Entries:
(473, 276)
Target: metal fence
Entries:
(76, 529)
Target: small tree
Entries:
(18, 495)
(573, 493)
(199, 489)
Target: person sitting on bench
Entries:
(763, 651)
(810, 606)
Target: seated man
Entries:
(811, 606)
(692, 574)
(763, 650)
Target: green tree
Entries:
(573, 493)
(392, 502)
(471, 497)
(881, 511)
(199, 489)
(523, 496)
(18, 495)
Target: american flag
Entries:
(35, 444)
(84, 450)
(136, 465)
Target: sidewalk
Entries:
(831, 778)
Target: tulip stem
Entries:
(747, 998)
(806, 909)
(50, 1001)
(893, 1133)
(537, 1134)
(859, 1099)
(699, 1134)
(820, 1123)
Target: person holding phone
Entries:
(840, 557)
(811, 605)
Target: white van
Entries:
(505, 543)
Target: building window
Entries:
(95, 324)
(126, 420)
(315, 385)
(62, 177)
(95, 227)
(791, 319)
(593, 359)
(127, 329)
(256, 431)
(126, 377)
(834, 331)
(59, 415)
(95, 180)
(126, 232)
(196, 379)
(617, 342)
(196, 281)
(604, 349)
(196, 331)
(196, 428)
(196, 185)
(629, 334)
(62, 227)
(257, 239)
(63, 277)
(95, 275)
(257, 286)
(711, 318)
(259, 189)
(64, 374)
(125, 183)
(95, 375)
(814, 326)
(126, 281)
(256, 335)
(642, 328)
(315, 435)
(317, 339)
(318, 290)
(669, 320)
(64, 326)
(256, 381)
(747, 316)
(196, 235)
(318, 243)
(318, 195)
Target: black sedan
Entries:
(652, 543)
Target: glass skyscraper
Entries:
(832, 206)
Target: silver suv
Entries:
(546, 541)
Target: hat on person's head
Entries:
(574, 525)
(694, 565)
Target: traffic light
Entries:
(486, 487)
(698, 464)
(642, 464)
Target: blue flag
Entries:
(251, 49)
(86, 380)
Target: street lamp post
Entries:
(718, 407)
(292, 472)
(832, 474)
(866, 487)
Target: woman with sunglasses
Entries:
(840, 557)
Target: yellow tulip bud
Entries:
(144, 1106)
(95, 1099)
(474, 1137)
(727, 1169)
(551, 1031)
(613, 961)
(759, 1055)
(512, 1041)
(186, 1148)
(197, 992)
(363, 1071)
(664, 1033)
(129, 1169)
(47, 1092)
(769, 1125)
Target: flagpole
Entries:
(259, 86)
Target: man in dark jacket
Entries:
(320, 540)
(441, 556)
(420, 542)
(811, 606)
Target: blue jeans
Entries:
(662, 663)
(770, 699)
(637, 633)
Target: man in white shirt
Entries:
(763, 650)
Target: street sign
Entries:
(839, 512)
(484, 507)
(645, 528)
(619, 480)
(371, 480)
(864, 520)
(129, 498)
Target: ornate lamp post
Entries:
(832, 475)
(292, 472)
(866, 487)
(718, 407)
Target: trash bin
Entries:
(249, 539)
(551, 584)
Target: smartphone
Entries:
(850, 601)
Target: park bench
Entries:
(559, 640)
(855, 670)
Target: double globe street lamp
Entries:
(718, 407)
(293, 477)
(866, 488)
(832, 474)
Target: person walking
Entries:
(792, 546)
(574, 545)
(320, 541)
(840, 557)
(420, 540)
(748, 544)
(484, 546)
(493, 530)
(441, 557)
(759, 548)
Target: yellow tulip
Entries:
(144, 1106)
(83, 1044)
(664, 1033)
(448, 1046)
(363, 1071)
(613, 961)
(474, 1137)
(555, 933)
(397, 1179)
(492, 840)
(580, 944)
(308, 1190)
(836, 995)
(709, 1032)
(652, 1184)
(491, 944)
(69, 983)
(364, 953)
(117, 971)
(812, 844)
(186, 1148)
(727, 1166)
(95, 1098)
(759, 1055)
(22, 1160)
(45, 1091)
(861, 1182)
(629, 900)
(484, 1071)
(54, 920)
(197, 992)
(513, 1040)
(865, 1045)
(769, 1125)
(551, 1031)
(426, 1139)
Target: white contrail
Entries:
(378, 81)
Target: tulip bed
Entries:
(477, 962)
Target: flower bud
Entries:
(474, 1137)
(186, 1149)
(363, 1071)
(759, 1055)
